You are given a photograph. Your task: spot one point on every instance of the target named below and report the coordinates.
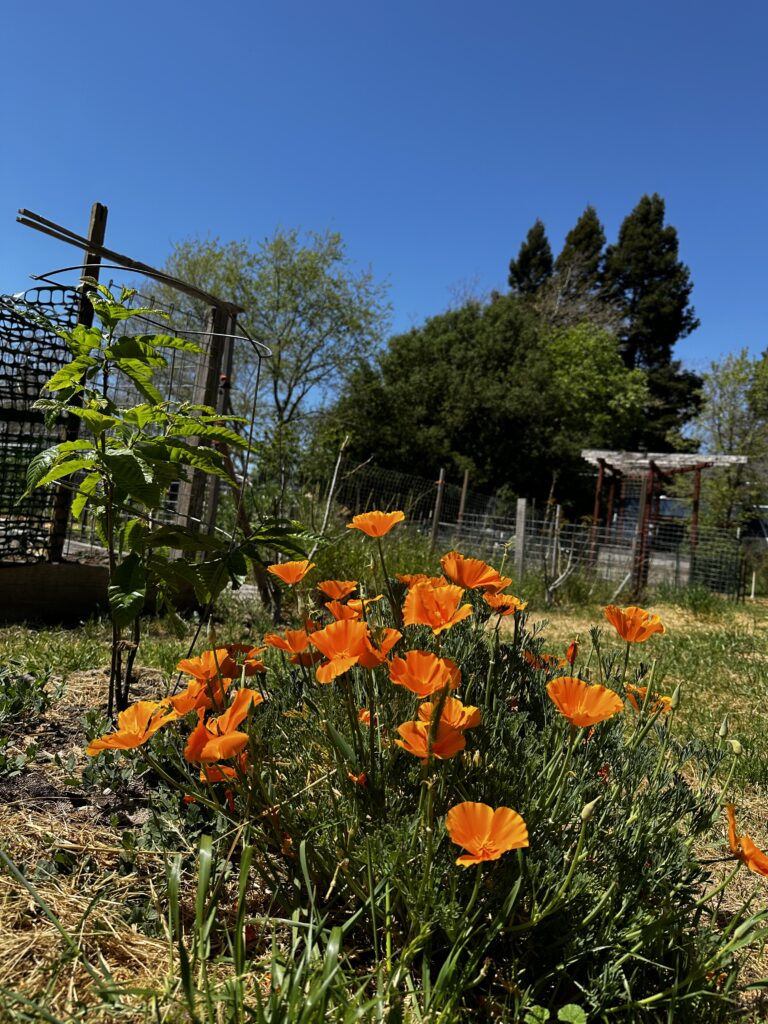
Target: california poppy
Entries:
(453, 713)
(743, 848)
(343, 643)
(134, 727)
(294, 642)
(436, 607)
(199, 694)
(353, 609)
(581, 703)
(291, 573)
(633, 624)
(505, 604)
(337, 590)
(411, 579)
(218, 739)
(378, 646)
(636, 697)
(446, 742)
(572, 653)
(376, 524)
(423, 673)
(486, 833)
(210, 665)
(544, 661)
(472, 573)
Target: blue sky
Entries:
(430, 134)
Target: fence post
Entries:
(520, 539)
(437, 510)
(462, 502)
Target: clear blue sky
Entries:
(430, 133)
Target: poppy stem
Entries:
(475, 890)
(559, 787)
(397, 613)
(626, 663)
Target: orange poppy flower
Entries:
(472, 573)
(251, 662)
(505, 604)
(291, 573)
(134, 727)
(353, 609)
(634, 624)
(210, 665)
(572, 653)
(485, 833)
(337, 590)
(343, 643)
(454, 713)
(200, 694)
(359, 780)
(636, 697)
(424, 673)
(294, 642)
(411, 579)
(446, 742)
(743, 848)
(581, 703)
(376, 653)
(364, 716)
(436, 607)
(219, 739)
(376, 524)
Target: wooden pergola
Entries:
(652, 469)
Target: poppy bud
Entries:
(674, 704)
(723, 731)
(736, 747)
(572, 653)
(211, 633)
(588, 810)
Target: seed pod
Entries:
(736, 747)
(674, 704)
(723, 731)
(211, 633)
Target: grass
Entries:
(115, 901)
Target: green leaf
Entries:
(184, 539)
(97, 422)
(131, 474)
(140, 415)
(71, 375)
(572, 1014)
(65, 468)
(136, 347)
(208, 460)
(134, 534)
(127, 590)
(141, 376)
(536, 1015)
(83, 340)
(85, 491)
(44, 461)
(168, 341)
(211, 431)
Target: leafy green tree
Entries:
(534, 263)
(306, 302)
(733, 420)
(489, 389)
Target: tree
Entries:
(733, 420)
(649, 284)
(305, 302)
(533, 264)
(489, 388)
(580, 260)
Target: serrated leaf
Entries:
(132, 346)
(169, 341)
(132, 475)
(127, 590)
(184, 539)
(572, 1014)
(82, 340)
(65, 468)
(208, 460)
(71, 375)
(140, 415)
(141, 376)
(134, 534)
(43, 462)
(85, 491)
(97, 422)
(210, 431)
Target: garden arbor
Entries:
(628, 499)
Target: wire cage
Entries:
(31, 531)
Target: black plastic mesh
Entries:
(29, 355)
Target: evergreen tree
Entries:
(647, 282)
(533, 264)
(645, 277)
(580, 261)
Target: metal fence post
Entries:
(437, 510)
(520, 538)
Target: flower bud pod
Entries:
(674, 704)
(736, 747)
(211, 633)
(588, 810)
(723, 731)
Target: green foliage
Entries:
(122, 471)
(533, 265)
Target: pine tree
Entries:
(534, 262)
(644, 276)
(645, 280)
(580, 261)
